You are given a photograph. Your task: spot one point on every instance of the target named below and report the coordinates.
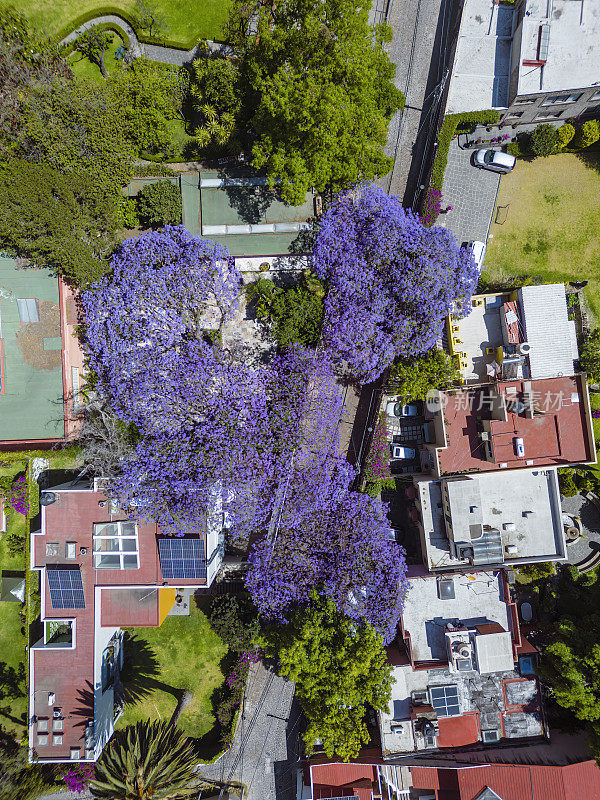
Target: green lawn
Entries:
(183, 653)
(187, 21)
(552, 223)
(12, 638)
(83, 68)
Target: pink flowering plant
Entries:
(377, 464)
(13, 492)
(78, 778)
(431, 207)
(234, 691)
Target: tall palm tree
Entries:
(147, 761)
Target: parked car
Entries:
(495, 160)
(394, 409)
(477, 251)
(401, 452)
(519, 447)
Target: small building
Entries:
(457, 683)
(525, 334)
(100, 570)
(490, 520)
(360, 781)
(41, 363)
(534, 61)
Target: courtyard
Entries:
(548, 225)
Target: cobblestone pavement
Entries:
(264, 752)
(472, 194)
(583, 508)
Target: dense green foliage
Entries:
(565, 133)
(58, 220)
(19, 778)
(146, 761)
(295, 313)
(339, 667)
(543, 140)
(235, 619)
(590, 356)
(216, 98)
(570, 663)
(451, 124)
(159, 204)
(529, 573)
(587, 134)
(316, 91)
(413, 378)
(93, 44)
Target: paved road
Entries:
(264, 752)
(472, 194)
(422, 33)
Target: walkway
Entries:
(472, 194)
(587, 508)
(264, 752)
(155, 52)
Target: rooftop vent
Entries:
(490, 736)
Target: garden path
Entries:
(155, 52)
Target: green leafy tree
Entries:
(565, 133)
(56, 219)
(93, 44)
(296, 312)
(535, 572)
(149, 17)
(215, 92)
(566, 483)
(159, 204)
(590, 356)
(413, 378)
(147, 761)
(339, 667)
(543, 140)
(587, 134)
(318, 92)
(235, 619)
(150, 97)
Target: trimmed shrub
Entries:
(451, 124)
(587, 134)
(543, 140)
(566, 483)
(159, 204)
(565, 133)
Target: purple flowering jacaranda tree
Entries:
(334, 540)
(391, 281)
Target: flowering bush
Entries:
(334, 540)
(431, 207)
(13, 492)
(78, 778)
(377, 464)
(391, 282)
(596, 413)
(235, 682)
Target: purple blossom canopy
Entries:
(333, 539)
(391, 281)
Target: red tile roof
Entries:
(557, 436)
(343, 780)
(512, 782)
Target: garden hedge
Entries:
(102, 26)
(102, 11)
(451, 124)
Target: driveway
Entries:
(472, 194)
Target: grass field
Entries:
(83, 68)
(183, 653)
(187, 21)
(12, 638)
(552, 223)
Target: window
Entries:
(70, 550)
(29, 310)
(521, 101)
(52, 549)
(58, 725)
(115, 545)
(75, 754)
(595, 96)
(42, 739)
(549, 115)
(57, 738)
(557, 99)
(514, 114)
(42, 725)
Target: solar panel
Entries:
(66, 588)
(445, 700)
(182, 558)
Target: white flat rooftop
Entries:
(477, 599)
(573, 57)
(480, 75)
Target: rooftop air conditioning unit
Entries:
(397, 728)
(465, 652)
(509, 526)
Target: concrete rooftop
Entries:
(573, 57)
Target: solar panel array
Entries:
(445, 700)
(66, 588)
(182, 558)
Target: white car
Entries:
(477, 251)
(401, 452)
(519, 447)
(394, 409)
(495, 160)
